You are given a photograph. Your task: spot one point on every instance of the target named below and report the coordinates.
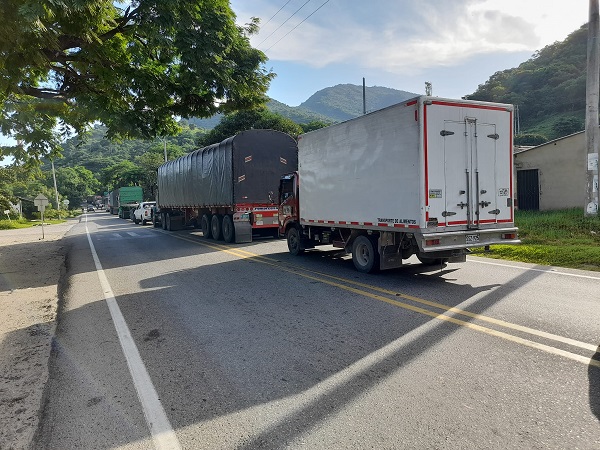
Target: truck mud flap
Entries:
(243, 232)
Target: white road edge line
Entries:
(163, 435)
(550, 270)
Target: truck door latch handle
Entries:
(448, 213)
(484, 204)
(462, 204)
(494, 211)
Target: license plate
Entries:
(472, 238)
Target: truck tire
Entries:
(365, 255)
(205, 225)
(168, 222)
(163, 221)
(228, 229)
(136, 221)
(294, 241)
(155, 223)
(216, 227)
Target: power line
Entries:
(305, 3)
(305, 19)
(277, 12)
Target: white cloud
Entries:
(407, 37)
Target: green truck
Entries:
(124, 199)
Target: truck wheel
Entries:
(216, 225)
(168, 222)
(294, 241)
(205, 225)
(163, 221)
(365, 255)
(228, 229)
(155, 223)
(136, 221)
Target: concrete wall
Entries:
(562, 171)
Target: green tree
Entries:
(530, 139)
(567, 125)
(132, 65)
(125, 173)
(73, 183)
(314, 125)
(259, 118)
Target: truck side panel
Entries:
(365, 171)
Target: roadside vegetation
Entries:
(14, 224)
(557, 238)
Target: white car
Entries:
(143, 212)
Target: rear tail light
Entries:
(432, 242)
(509, 236)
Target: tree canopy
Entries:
(259, 118)
(134, 66)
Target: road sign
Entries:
(40, 200)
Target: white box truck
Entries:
(430, 177)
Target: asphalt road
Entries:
(168, 340)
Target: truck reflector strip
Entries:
(282, 160)
(248, 158)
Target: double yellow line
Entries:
(448, 314)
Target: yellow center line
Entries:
(318, 276)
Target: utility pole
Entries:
(364, 97)
(592, 128)
(165, 147)
(428, 89)
(55, 188)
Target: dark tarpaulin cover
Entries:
(244, 168)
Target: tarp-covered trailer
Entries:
(228, 189)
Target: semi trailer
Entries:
(429, 177)
(227, 189)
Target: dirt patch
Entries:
(30, 268)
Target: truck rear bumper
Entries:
(454, 240)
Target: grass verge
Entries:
(24, 223)
(557, 238)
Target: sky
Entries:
(454, 44)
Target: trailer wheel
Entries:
(365, 255)
(155, 223)
(205, 225)
(163, 221)
(294, 241)
(168, 222)
(228, 229)
(216, 225)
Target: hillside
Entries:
(345, 101)
(548, 89)
(332, 104)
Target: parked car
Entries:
(143, 212)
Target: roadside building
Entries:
(552, 175)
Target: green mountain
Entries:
(345, 101)
(332, 104)
(548, 89)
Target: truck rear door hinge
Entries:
(446, 133)
(494, 211)
(462, 204)
(495, 136)
(448, 213)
